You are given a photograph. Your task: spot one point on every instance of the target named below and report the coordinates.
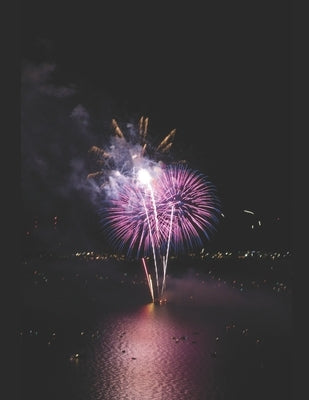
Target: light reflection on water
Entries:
(148, 354)
(135, 351)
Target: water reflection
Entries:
(214, 339)
(149, 354)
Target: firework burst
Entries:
(181, 204)
(188, 207)
(149, 208)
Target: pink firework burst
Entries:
(177, 209)
(188, 207)
(129, 219)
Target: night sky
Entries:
(218, 73)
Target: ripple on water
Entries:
(149, 354)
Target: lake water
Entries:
(85, 336)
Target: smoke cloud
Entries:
(56, 134)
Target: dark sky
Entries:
(217, 72)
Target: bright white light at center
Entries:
(144, 176)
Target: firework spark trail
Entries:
(165, 259)
(155, 211)
(157, 233)
(152, 245)
(148, 276)
(164, 143)
(143, 127)
(117, 129)
(145, 178)
(151, 288)
(143, 150)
